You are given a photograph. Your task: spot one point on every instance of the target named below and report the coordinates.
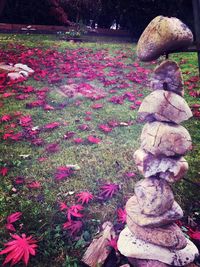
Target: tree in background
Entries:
(130, 14)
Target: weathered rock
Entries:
(168, 168)
(23, 67)
(169, 236)
(163, 35)
(135, 214)
(132, 247)
(146, 263)
(154, 196)
(164, 106)
(167, 76)
(15, 76)
(166, 139)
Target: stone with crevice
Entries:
(132, 247)
(154, 196)
(135, 214)
(146, 263)
(171, 169)
(163, 35)
(164, 106)
(167, 76)
(167, 139)
(169, 236)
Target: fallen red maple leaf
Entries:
(20, 248)
(108, 190)
(121, 214)
(73, 226)
(3, 171)
(94, 140)
(14, 217)
(74, 211)
(84, 197)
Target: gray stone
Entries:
(168, 168)
(132, 247)
(154, 196)
(168, 76)
(164, 106)
(169, 236)
(135, 214)
(160, 138)
(146, 263)
(163, 35)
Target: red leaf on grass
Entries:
(14, 217)
(121, 214)
(78, 140)
(34, 185)
(84, 197)
(63, 206)
(94, 140)
(105, 128)
(20, 248)
(52, 125)
(108, 190)
(6, 117)
(63, 172)
(73, 226)
(194, 234)
(74, 211)
(3, 171)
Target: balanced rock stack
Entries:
(151, 237)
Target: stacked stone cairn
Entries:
(151, 237)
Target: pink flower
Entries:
(84, 197)
(20, 248)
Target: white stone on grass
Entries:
(132, 247)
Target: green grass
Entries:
(105, 162)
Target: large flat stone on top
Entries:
(132, 247)
(167, 139)
(163, 35)
(169, 236)
(154, 196)
(168, 76)
(164, 106)
(168, 168)
(135, 214)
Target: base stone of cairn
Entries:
(151, 237)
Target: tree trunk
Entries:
(2, 6)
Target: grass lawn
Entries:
(42, 131)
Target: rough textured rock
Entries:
(146, 263)
(132, 247)
(168, 168)
(162, 35)
(168, 76)
(154, 196)
(166, 139)
(164, 106)
(134, 213)
(169, 236)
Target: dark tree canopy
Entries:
(130, 14)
